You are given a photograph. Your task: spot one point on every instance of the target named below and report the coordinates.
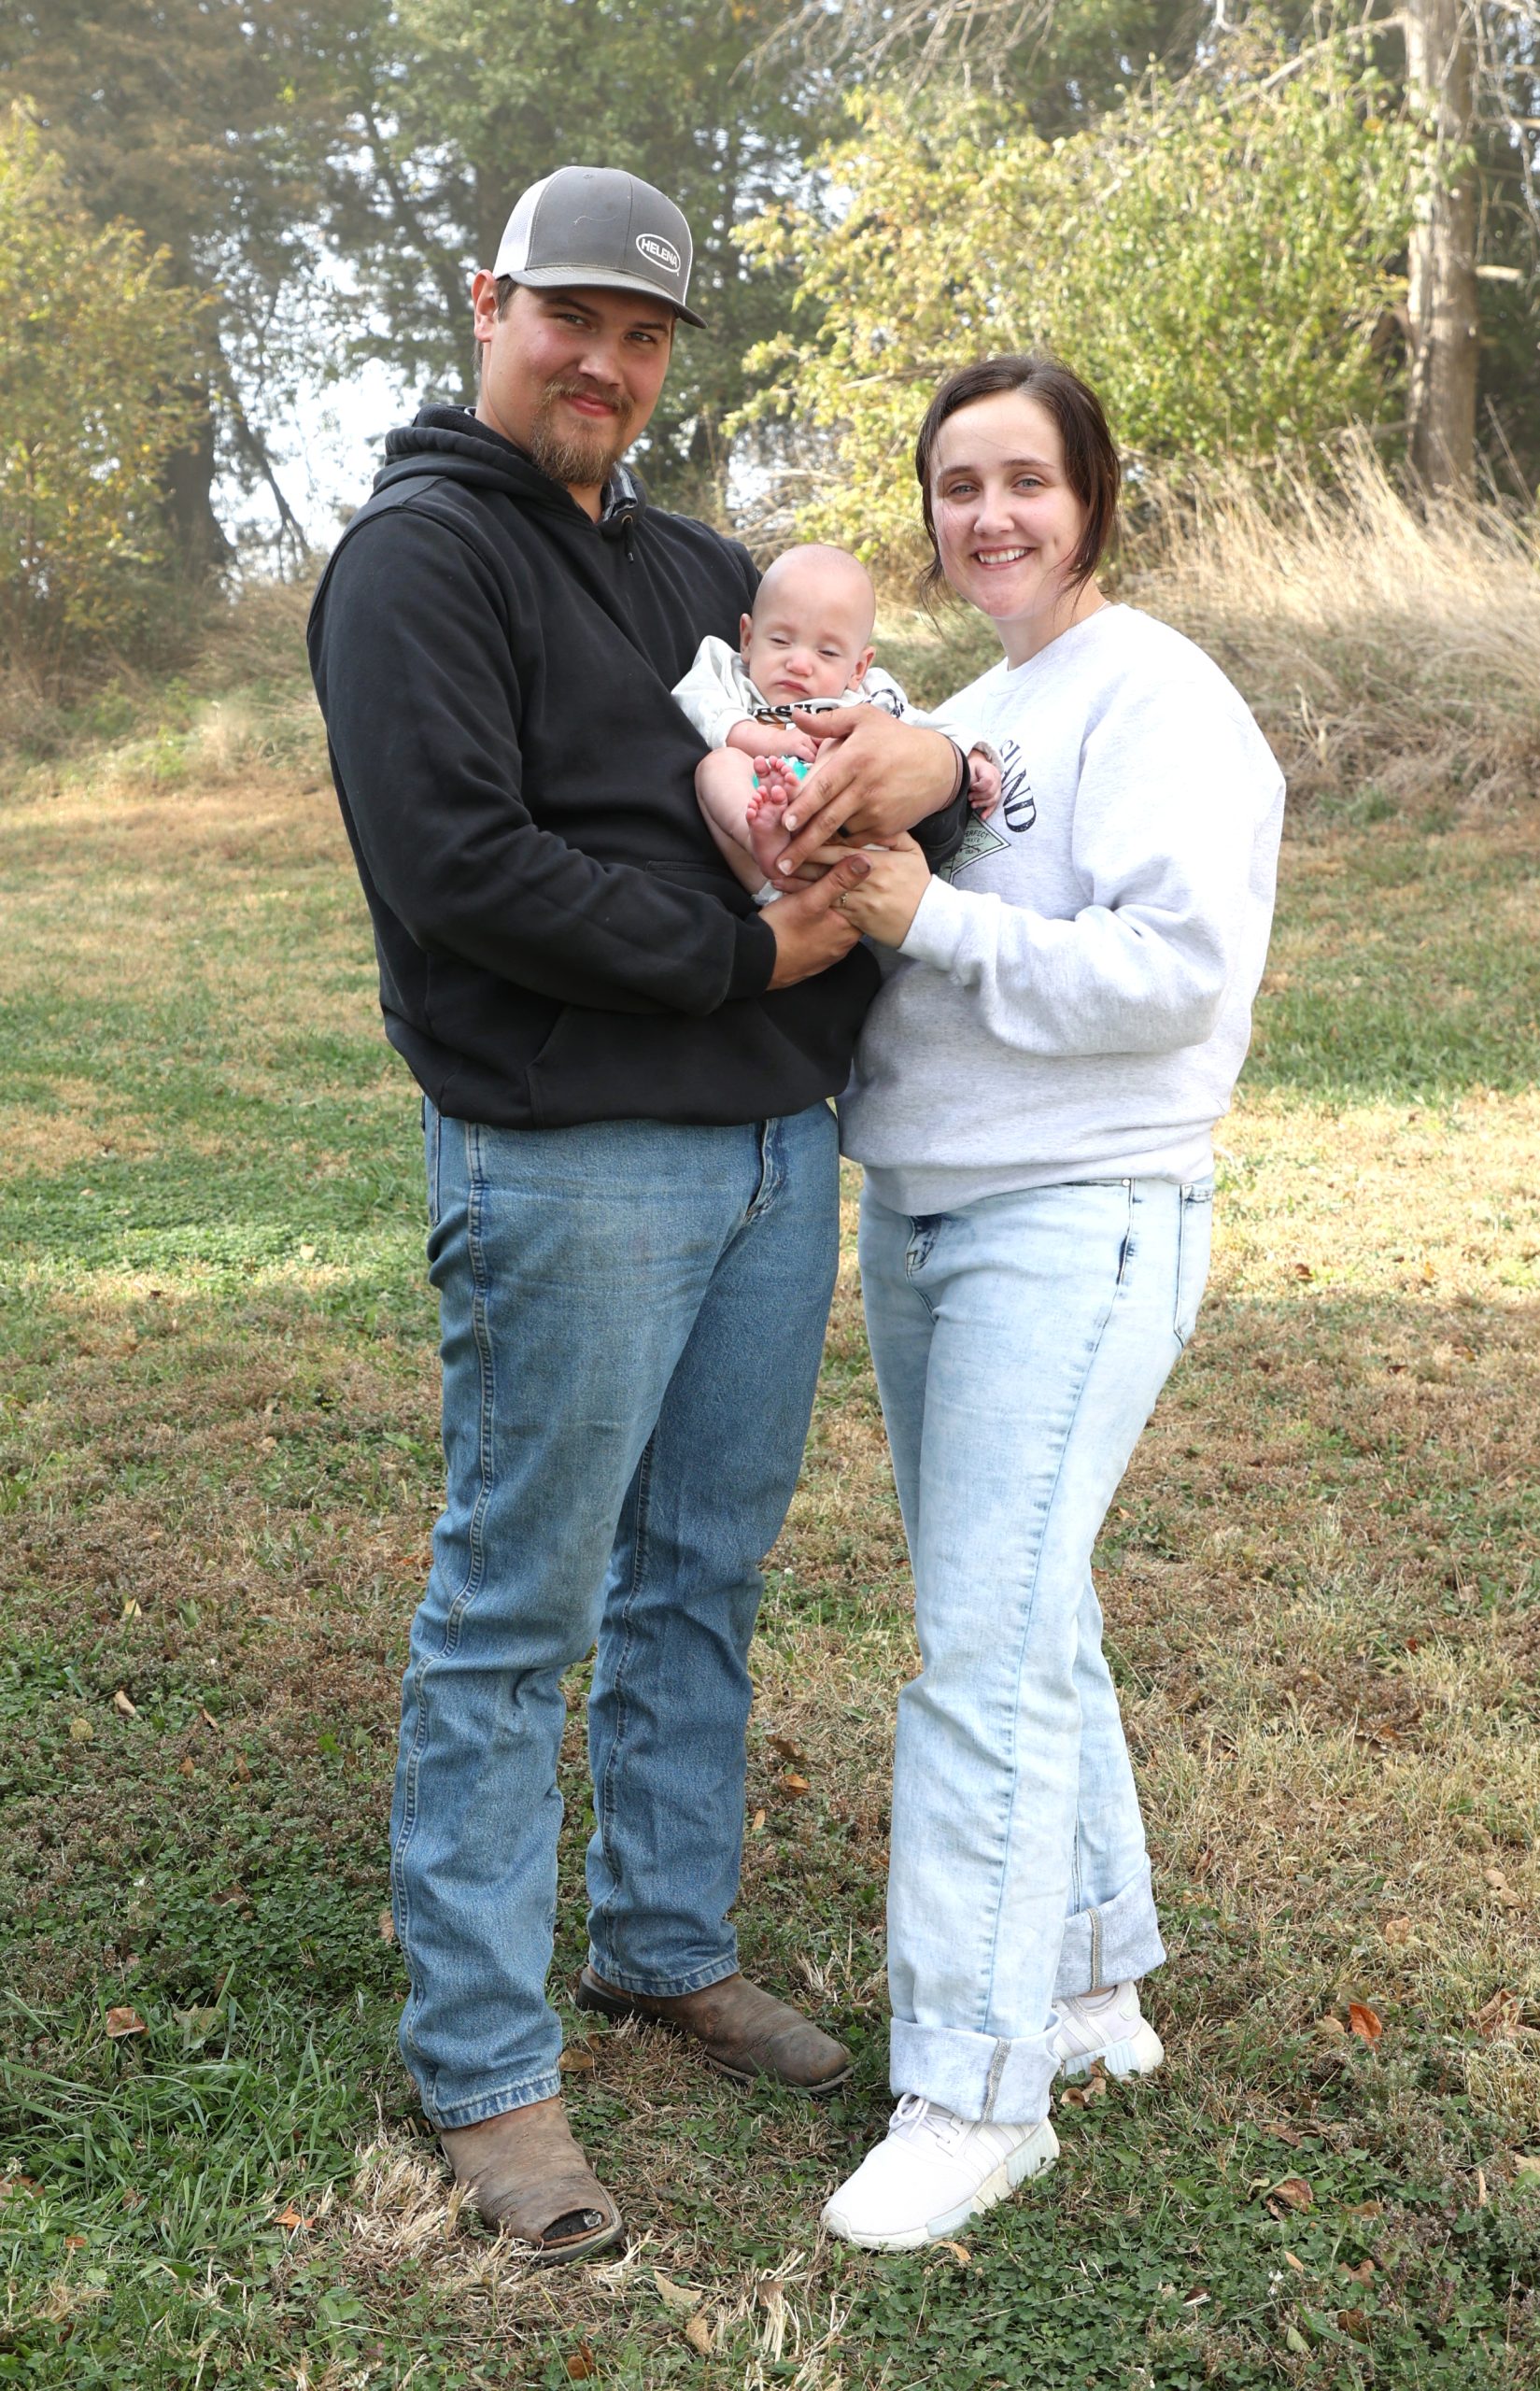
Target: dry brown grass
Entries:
(1383, 647)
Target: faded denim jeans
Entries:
(1020, 1344)
(632, 1317)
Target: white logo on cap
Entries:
(659, 251)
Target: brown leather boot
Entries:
(743, 2029)
(525, 2175)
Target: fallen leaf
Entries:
(208, 1718)
(187, 1768)
(790, 1752)
(81, 1731)
(1353, 2321)
(677, 2296)
(1294, 2340)
(387, 1927)
(1498, 2017)
(576, 2059)
(1330, 2030)
(1398, 1930)
(1525, 2163)
(698, 2335)
(794, 1784)
(1290, 2260)
(8, 2184)
(1364, 2022)
(1285, 2134)
(242, 1771)
(1364, 2272)
(1481, 2187)
(582, 2365)
(757, 1823)
(1080, 2096)
(1367, 2208)
(75, 2241)
(122, 1705)
(196, 2021)
(291, 2221)
(956, 2250)
(131, 1609)
(1294, 2192)
(1303, 1270)
(1495, 1878)
(121, 2022)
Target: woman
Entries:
(1034, 1099)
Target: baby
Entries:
(808, 638)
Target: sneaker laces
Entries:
(919, 2119)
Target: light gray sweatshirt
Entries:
(1073, 999)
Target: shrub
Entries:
(97, 393)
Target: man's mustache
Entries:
(598, 397)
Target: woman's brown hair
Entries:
(1089, 460)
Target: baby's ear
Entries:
(863, 666)
(745, 633)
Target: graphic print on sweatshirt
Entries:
(1017, 809)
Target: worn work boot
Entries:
(743, 2029)
(525, 2174)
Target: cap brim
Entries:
(599, 277)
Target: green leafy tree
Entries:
(216, 126)
(97, 362)
(463, 102)
(1218, 259)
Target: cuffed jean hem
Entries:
(495, 2105)
(978, 2076)
(1110, 1943)
(650, 1989)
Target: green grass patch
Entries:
(218, 1471)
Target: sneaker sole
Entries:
(1140, 2055)
(1035, 2157)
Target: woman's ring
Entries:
(841, 831)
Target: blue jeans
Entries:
(1019, 1343)
(631, 1318)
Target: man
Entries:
(631, 1177)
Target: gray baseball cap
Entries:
(596, 227)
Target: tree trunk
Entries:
(1441, 297)
(198, 541)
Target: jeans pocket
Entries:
(1194, 1234)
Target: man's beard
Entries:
(581, 460)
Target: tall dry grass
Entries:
(1384, 648)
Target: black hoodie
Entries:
(558, 939)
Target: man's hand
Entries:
(771, 739)
(810, 932)
(887, 900)
(874, 779)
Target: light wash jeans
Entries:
(632, 1317)
(1019, 1343)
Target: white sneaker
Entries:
(931, 2174)
(1108, 2027)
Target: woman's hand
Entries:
(875, 778)
(888, 899)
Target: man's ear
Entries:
(745, 633)
(863, 666)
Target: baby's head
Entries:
(810, 633)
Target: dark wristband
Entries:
(961, 782)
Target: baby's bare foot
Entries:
(767, 826)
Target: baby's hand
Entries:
(769, 739)
(983, 783)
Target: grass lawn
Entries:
(218, 1469)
